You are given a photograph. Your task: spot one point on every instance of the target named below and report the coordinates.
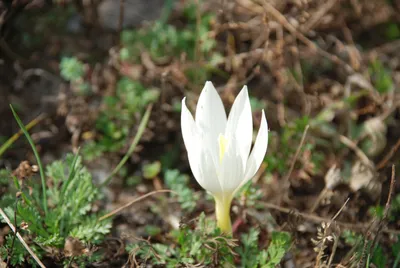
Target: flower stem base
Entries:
(222, 211)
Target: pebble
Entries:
(135, 12)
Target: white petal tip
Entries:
(208, 86)
(245, 90)
(264, 119)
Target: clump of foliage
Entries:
(252, 256)
(288, 142)
(381, 77)
(117, 117)
(163, 40)
(115, 122)
(71, 195)
(205, 245)
(73, 70)
(179, 183)
(365, 250)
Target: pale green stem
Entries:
(222, 212)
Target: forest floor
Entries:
(95, 87)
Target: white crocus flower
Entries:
(219, 148)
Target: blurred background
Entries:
(83, 72)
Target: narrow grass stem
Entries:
(35, 152)
(15, 137)
(142, 127)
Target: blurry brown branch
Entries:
(34, 256)
(115, 211)
(311, 217)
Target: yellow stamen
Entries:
(223, 143)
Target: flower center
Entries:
(223, 143)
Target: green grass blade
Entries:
(15, 137)
(142, 127)
(39, 162)
(71, 174)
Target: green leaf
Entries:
(379, 258)
(381, 77)
(151, 170)
(39, 162)
(249, 248)
(91, 230)
(277, 249)
(71, 69)
(179, 183)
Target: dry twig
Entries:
(387, 157)
(115, 211)
(286, 181)
(282, 20)
(34, 256)
(318, 219)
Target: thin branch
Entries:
(321, 251)
(349, 143)
(286, 180)
(317, 16)
(387, 208)
(340, 210)
(115, 211)
(387, 157)
(16, 136)
(285, 23)
(318, 219)
(34, 256)
(10, 253)
(136, 139)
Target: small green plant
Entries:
(151, 170)
(395, 208)
(392, 31)
(288, 142)
(166, 40)
(202, 246)
(163, 40)
(179, 183)
(73, 70)
(396, 252)
(363, 251)
(252, 256)
(115, 122)
(71, 196)
(381, 77)
(251, 194)
(291, 134)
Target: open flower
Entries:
(219, 148)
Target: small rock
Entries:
(135, 12)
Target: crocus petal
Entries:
(259, 149)
(208, 172)
(210, 116)
(239, 128)
(190, 139)
(200, 157)
(231, 172)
